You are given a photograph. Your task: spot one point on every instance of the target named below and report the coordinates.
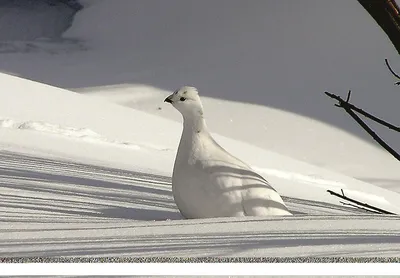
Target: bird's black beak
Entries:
(168, 99)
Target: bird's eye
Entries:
(182, 99)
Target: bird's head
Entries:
(187, 101)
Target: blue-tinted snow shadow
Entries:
(51, 190)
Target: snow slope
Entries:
(77, 173)
(267, 64)
(286, 133)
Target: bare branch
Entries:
(373, 134)
(365, 205)
(362, 112)
(392, 71)
(348, 96)
(348, 108)
(386, 14)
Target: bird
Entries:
(208, 181)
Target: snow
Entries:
(240, 55)
(243, 55)
(23, 20)
(79, 133)
(319, 236)
(88, 173)
(52, 183)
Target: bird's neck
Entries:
(194, 125)
(190, 143)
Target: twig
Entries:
(362, 112)
(392, 71)
(348, 96)
(373, 134)
(348, 108)
(359, 203)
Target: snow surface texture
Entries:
(78, 133)
(207, 181)
(63, 196)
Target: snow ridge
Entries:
(84, 134)
(301, 178)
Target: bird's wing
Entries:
(223, 164)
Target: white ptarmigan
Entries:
(207, 181)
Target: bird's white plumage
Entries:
(207, 181)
